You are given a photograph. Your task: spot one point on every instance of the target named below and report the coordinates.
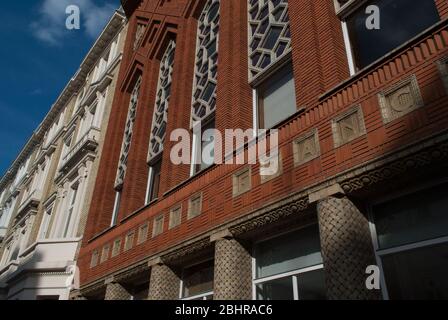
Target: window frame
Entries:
(198, 145)
(46, 222)
(344, 12)
(116, 209)
(70, 209)
(157, 162)
(261, 83)
(379, 253)
(293, 274)
(202, 296)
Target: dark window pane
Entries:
(400, 20)
(281, 289)
(290, 252)
(416, 217)
(272, 37)
(312, 285)
(198, 279)
(277, 97)
(417, 274)
(210, 157)
(156, 169)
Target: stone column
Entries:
(347, 249)
(115, 291)
(233, 269)
(164, 283)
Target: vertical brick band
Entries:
(164, 283)
(346, 248)
(233, 271)
(115, 291)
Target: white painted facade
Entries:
(45, 195)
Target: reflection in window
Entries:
(197, 282)
(277, 98)
(400, 20)
(290, 267)
(412, 244)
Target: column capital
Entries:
(221, 235)
(329, 191)
(109, 280)
(155, 262)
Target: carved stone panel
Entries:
(195, 206)
(271, 167)
(306, 148)
(401, 99)
(242, 181)
(348, 126)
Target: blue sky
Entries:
(38, 56)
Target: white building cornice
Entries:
(114, 27)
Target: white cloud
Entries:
(49, 26)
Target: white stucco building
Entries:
(45, 195)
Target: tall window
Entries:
(270, 35)
(204, 147)
(206, 67)
(116, 209)
(160, 117)
(399, 21)
(70, 211)
(154, 182)
(132, 112)
(277, 98)
(290, 267)
(205, 79)
(197, 282)
(411, 241)
(6, 255)
(159, 122)
(44, 232)
(269, 52)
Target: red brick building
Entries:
(359, 96)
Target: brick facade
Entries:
(323, 87)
